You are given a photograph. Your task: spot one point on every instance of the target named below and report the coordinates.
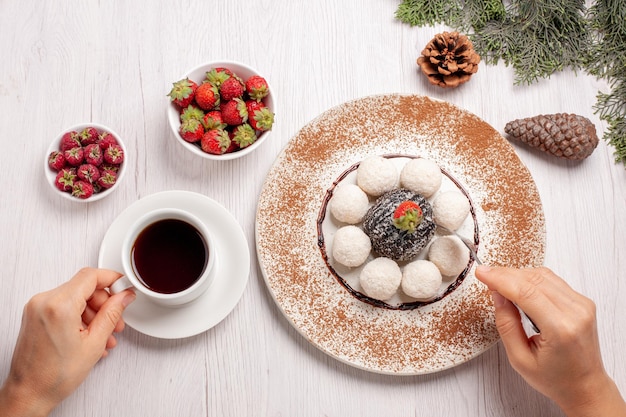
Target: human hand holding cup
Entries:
(167, 255)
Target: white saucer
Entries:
(231, 269)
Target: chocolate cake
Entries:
(387, 238)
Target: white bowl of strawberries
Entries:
(85, 162)
(221, 110)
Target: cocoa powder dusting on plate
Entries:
(430, 338)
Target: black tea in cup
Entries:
(169, 256)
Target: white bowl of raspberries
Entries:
(221, 110)
(85, 162)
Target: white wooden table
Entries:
(113, 62)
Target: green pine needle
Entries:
(426, 12)
(538, 38)
(477, 13)
(606, 58)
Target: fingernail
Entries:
(483, 268)
(128, 298)
(498, 299)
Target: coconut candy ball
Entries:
(380, 278)
(421, 176)
(351, 246)
(349, 203)
(450, 209)
(377, 175)
(449, 254)
(421, 279)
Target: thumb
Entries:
(511, 331)
(103, 324)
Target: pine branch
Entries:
(427, 12)
(611, 106)
(615, 136)
(496, 45)
(475, 14)
(606, 58)
(542, 37)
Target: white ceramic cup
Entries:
(130, 278)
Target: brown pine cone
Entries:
(449, 59)
(564, 135)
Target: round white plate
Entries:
(231, 269)
(435, 336)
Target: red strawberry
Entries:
(94, 154)
(234, 112)
(107, 178)
(82, 189)
(74, 156)
(407, 216)
(191, 112)
(215, 141)
(207, 96)
(182, 92)
(233, 147)
(253, 105)
(106, 139)
(257, 87)
(69, 140)
(191, 130)
(261, 119)
(65, 179)
(224, 70)
(114, 154)
(88, 136)
(56, 160)
(217, 76)
(88, 172)
(213, 120)
(244, 135)
(231, 89)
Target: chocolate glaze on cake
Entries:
(387, 239)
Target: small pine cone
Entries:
(564, 135)
(449, 59)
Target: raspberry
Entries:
(94, 154)
(114, 154)
(106, 139)
(88, 136)
(70, 140)
(88, 172)
(85, 170)
(82, 189)
(65, 179)
(107, 178)
(56, 160)
(74, 156)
